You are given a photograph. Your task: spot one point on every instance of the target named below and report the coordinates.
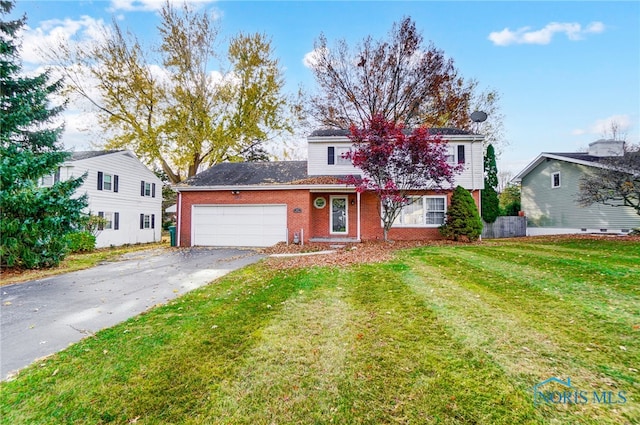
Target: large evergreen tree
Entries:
(34, 220)
(490, 203)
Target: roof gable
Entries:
(80, 155)
(571, 157)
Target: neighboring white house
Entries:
(121, 189)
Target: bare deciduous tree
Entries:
(617, 183)
(399, 79)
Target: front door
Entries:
(338, 219)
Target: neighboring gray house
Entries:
(549, 191)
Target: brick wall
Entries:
(314, 222)
(292, 198)
(372, 226)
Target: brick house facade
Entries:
(259, 204)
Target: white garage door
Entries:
(239, 225)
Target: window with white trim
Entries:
(107, 182)
(456, 154)
(147, 189)
(46, 181)
(50, 179)
(147, 221)
(111, 220)
(340, 159)
(335, 156)
(555, 180)
(451, 155)
(423, 211)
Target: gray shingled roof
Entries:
(250, 173)
(77, 156)
(577, 155)
(445, 131)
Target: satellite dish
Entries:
(478, 116)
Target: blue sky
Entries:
(564, 70)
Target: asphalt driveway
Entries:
(41, 317)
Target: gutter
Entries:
(312, 187)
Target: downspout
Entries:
(358, 216)
(473, 181)
(178, 215)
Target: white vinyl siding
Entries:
(319, 163)
(127, 172)
(467, 151)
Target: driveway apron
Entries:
(42, 317)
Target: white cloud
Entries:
(149, 5)
(54, 32)
(603, 127)
(526, 35)
(310, 59)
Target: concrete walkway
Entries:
(42, 317)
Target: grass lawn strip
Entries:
(436, 336)
(524, 354)
(482, 309)
(407, 368)
(573, 304)
(291, 375)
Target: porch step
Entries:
(335, 240)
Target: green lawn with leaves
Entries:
(452, 334)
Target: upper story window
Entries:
(50, 180)
(423, 211)
(456, 154)
(147, 189)
(335, 155)
(107, 182)
(46, 181)
(555, 180)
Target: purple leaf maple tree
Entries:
(396, 164)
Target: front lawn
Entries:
(452, 334)
(75, 262)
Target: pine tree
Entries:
(34, 220)
(489, 201)
(462, 217)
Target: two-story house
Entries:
(120, 189)
(262, 203)
(550, 187)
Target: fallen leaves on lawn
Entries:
(343, 254)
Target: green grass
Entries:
(75, 262)
(455, 334)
